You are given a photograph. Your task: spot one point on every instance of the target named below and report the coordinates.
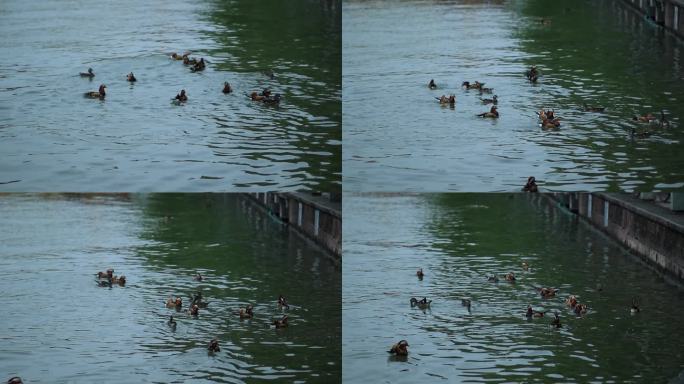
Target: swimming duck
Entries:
(635, 306)
(177, 56)
(591, 108)
(255, 96)
(194, 310)
(197, 277)
(197, 300)
(121, 280)
(422, 304)
(420, 273)
(550, 124)
(280, 323)
(199, 66)
(108, 274)
(88, 74)
(177, 303)
(556, 321)
(467, 85)
(15, 380)
(172, 323)
(532, 74)
(493, 279)
(571, 301)
(547, 292)
(530, 186)
(466, 303)
(400, 348)
(214, 346)
(510, 277)
(131, 77)
(451, 100)
(275, 100)
(181, 97)
(580, 309)
(247, 312)
(227, 88)
(525, 265)
(647, 118)
(188, 61)
(493, 113)
(100, 94)
(432, 84)
(494, 100)
(532, 313)
(282, 302)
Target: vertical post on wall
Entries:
(299, 215)
(316, 218)
(605, 213)
(589, 206)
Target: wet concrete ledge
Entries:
(667, 13)
(316, 216)
(651, 229)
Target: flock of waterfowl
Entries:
(265, 96)
(108, 279)
(547, 118)
(577, 308)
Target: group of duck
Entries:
(107, 279)
(265, 96)
(547, 118)
(579, 309)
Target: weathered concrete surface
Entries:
(648, 229)
(317, 216)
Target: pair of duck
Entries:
(265, 97)
(110, 278)
(477, 85)
(579, 309)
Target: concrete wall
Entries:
(309, 215)
(647, 233)
(668, 13)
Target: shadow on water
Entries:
(459, 240)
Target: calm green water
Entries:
(59, 326)
(459, 239)
(53, 139)
(398, 138)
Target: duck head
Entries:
(466, 84)
(101, 90)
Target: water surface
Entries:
(458, 240)
(60, 327)
(54, 139)
(398, 138)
